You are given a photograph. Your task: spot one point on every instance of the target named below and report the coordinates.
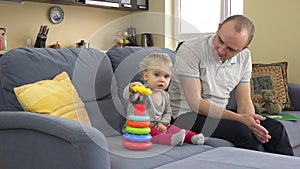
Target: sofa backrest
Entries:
(27, 65)
(98, 77)
(89, 69)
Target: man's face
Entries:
(227, 42)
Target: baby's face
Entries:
(157, 79)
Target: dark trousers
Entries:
(237, 133)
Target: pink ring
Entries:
(137, 145)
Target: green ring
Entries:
(134, 130)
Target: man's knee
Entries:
(273, 126)
(244, 138)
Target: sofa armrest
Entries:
(50, 142)
(294, 93)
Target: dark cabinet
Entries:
(134, 4)
(117, 4)
(12, 1)
(103, 3)
(122, 4)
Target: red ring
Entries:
(138, 124)
(137, 145)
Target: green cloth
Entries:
(282, 116)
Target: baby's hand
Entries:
(138, 87)
(131, 86)
(160, 127)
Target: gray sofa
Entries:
(35, 141)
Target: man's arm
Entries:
(192, 91)
(243, 98)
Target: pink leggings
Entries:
(165, 138)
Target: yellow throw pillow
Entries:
(57, 97)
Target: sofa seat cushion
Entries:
(296, 151)
(106, 117)
(158, 155)
(216, 142)
(235, 158)
(292, 128)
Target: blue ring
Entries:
(137, 138)
(138, 118)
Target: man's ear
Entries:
(247, 47)
(220, 24)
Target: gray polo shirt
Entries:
(197, 59)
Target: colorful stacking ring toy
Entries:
(137, 129)
(137, 138)
(138, 124)
(137, 145)
(134, 130)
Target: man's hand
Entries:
(160, 127)
(253, 122)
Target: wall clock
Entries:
(56, 14)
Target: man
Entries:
(206, 70)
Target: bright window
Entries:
(202, 16)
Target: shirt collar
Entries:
(234, 60)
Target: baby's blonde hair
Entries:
(160, 61)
